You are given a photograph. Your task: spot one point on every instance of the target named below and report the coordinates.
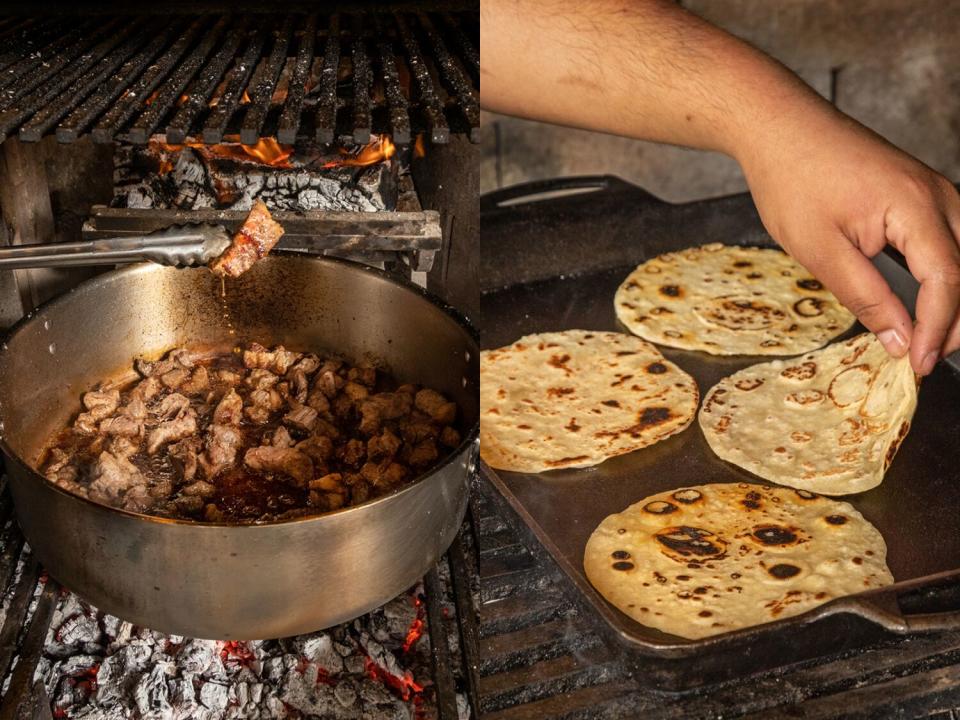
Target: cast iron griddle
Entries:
(916, 508)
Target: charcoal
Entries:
(151, 694)
(213, 696)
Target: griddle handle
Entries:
(933, 622)
(561, 189)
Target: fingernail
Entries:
(892, 342)
(929, 360)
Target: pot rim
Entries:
(470, 437)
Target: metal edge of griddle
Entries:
(878, 610)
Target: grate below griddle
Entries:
(205, 77)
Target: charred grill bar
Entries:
(324, 77)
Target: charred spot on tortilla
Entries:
(748, 384)
(783, 571)
(751, 500)
(671, 291)
(774, 535)
(610, 403)
(743, 264)
(659, 507)
(687, 496)
(654, 416)
(836, 519)
(809, 284)
(623, 565)
(620, 555)
(656, 368)
(686, 541)
(808, 307)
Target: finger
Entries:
(860, 287)
(934, 259)
(953, 336)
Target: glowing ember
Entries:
(417, 627)
(381, 148)
(266, 151)
(153, 96)
(404, 686)
(419, 147)
(236, 652)
(245, 100)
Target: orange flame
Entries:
(153, 96)
(419, 147)
(266, 151)
(404, 686)
(380, 149)
(245, 100)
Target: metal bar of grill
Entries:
(203, 87)
(174, 87)
(326, 117)
(430, 103)
(362, 80)
(201, 78)
(13, 116)
(264, 83)
(105, 93)
(290, 118)
(396, 103)
(108, 127)
(54, 110)
(237, 77)
(452, 74)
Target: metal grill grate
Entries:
(338, 77)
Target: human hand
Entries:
(834, 194)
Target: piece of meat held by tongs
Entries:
(255, 238)
(177, 246)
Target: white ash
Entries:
(97, 666)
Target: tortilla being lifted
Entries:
(576, 398)
(712, 558)
(830, 421)
(730, 301)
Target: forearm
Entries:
(639, 68)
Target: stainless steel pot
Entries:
(238, 582)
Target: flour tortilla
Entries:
(575, 398)
(830, 421)
(713, 558)
(728, 300)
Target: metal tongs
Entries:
(177, 246)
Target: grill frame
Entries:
(123, 77)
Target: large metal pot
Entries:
(239, 582)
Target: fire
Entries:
(236, 652)
(419, 147)
(380, 149)
(245, 100)
(266, 151)
(405, 686)
(153, 96)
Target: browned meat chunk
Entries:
(121, 425)
(326, 501)
(318, 447)
(260, 379)
(146, 389)
(136, 408)
(281, 438)
(435, 405)
(184, 425)
(302, 418)
(415, 431)
(299, 386)
(255, 238)
(384, 445)
(172, 405)
(200, 488)
(332, 482)
(225, 376)
(60, 467)
(352, 453)
(277, 361)
(355, 391)
(198, 383)
(123, 447)
(223, 442)
(342, 407)
(364, 375)
(211, 513)
(329, 383)
(229, 410)
(308, 364)
(263, 403)
(449, 437)
(185, 454)
(383, 475)
(173, 379)
(285, 461)
(113, 477)
(318, 400)
(422, 454)
(99, 405)
(180, 358)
